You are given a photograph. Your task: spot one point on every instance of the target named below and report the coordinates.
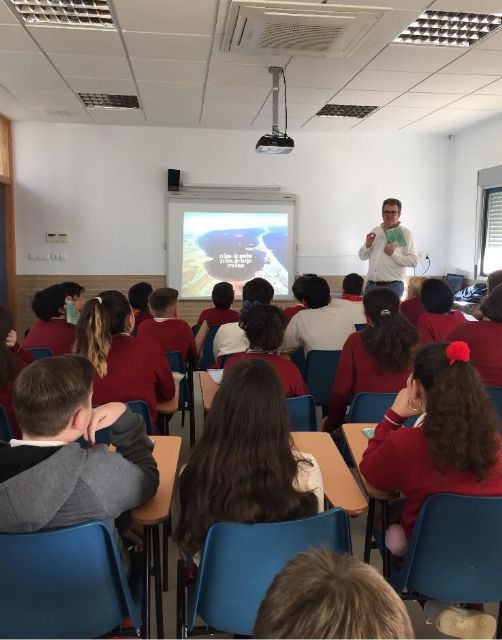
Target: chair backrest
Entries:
(136, 406)
(454, 552)
(178, 364)
(66, 583)
(320, 371)
(496, 396)
(302, 416)
(5, 428)
(371, 407)
(360, 326)
(207, 357)
(40, 352)
(298, 358)
(240, 561)
(224, 358)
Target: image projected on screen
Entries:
(234, 247)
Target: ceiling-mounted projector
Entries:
(276, 142)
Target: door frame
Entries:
(7, 179)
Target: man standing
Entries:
(390, 248)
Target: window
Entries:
(491, 248)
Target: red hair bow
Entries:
(458, 351)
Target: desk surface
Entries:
(340, 488)
(208, 388)
(166, 453)
(358, 442)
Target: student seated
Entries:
(166, 328)
(493, 280)
(438, 320)
(50, 331)
(321, 325)
(47, 480)
(126, 368)
(138, 299)
(221, 313)
(322, 594)
(264, 327)
(230, 337)
(75, 300)
(244, 461)
(377, 359)
(485, 339)
(351, 302)
(413, 307)
(297, 289)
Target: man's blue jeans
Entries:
(397, 287)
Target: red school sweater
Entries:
(289, 312)
(214, 316)
(485, 342)
(137, 370)
(20, 363)
(172, 335)
(358, 371)
(434, 327)
(398, 459)
(412, 309)
(54, 334)
(288, 372)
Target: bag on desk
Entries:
(474, 293)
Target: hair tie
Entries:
(98, 299)
(385, 312)
(458, 351)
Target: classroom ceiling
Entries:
(168, 53)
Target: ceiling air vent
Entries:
(65, 13)
(270, 26)
(109, 101)
(345, 111)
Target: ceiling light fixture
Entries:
(109, 101)
(345, 111)
(445, 28)
(65, 13)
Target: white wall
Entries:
(478, 147)
(106, 187)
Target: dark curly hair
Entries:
(436, 296)
(389, 337)
(492, 304)
(461, 424)
(264, 326)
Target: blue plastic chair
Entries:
(320, 372)
(40, 352)
(186, 399)
(302, 416)
(207, 357)
(66, 583)
(298, 358)
(454, 552)
(5, 428)
(239, 562)
(224, 358)
(136, 406)
(496, 396)
(360, 326)
(371, 407)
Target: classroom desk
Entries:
(357, 443)
(208, 388)
(151, 514)
(170, 406)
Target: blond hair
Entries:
(320, 594)
(415, 286)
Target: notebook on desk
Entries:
(369, 432)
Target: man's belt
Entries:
(381, 283)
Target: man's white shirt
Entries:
(384, 268)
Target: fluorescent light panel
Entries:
(109, 101)
(345, 111)
(66, 13)
(446, 28)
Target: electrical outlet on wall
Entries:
(51, 236)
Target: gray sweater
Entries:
(71, 485)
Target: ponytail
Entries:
(461, 424)
(390, 338)
(101, 318)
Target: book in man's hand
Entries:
(396, 236)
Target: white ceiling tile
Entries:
(180, 114)
(405, 57)
(391, 125)
(37, 82)
(6, 16)
(385, 80)
(329, 124)
(15, 38)
(468, 6)
(239, 93)
(429, 100)
(240, 74)
(260, 59)
(361, 56)
(117, 116)
(493, 89)
(168, 16)
(477, 101)
(60, 115)
(168, 70)
(476, 61)
(461, 115)
(214, 106)
(264, 124)
(318, 78)
(226, 121)
(295, 110)
(402, 114)
(102, 85)
(426, 125)
(48, 99)
(391, 25)
(91, 66)
(12, 108)
(493, 41)
(309, 96)
(83, 42)
(222, 16)
(167, 46)
(23, 62)
(393, 4)
(451, 83)
(170, 92)
(369, 98)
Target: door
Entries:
(3, 257)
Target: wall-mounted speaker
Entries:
(173, 179)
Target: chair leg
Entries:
(180, 601)
(369, 531)
(499, 622)
(166, 532)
